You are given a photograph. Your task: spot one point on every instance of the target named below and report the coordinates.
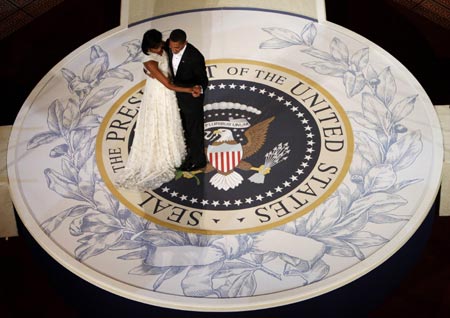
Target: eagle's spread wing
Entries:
(256, 136)
(244, 165)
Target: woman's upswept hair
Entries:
(152, 39)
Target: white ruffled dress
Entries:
(158, 146)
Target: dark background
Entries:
(415, 282)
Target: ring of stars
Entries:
(278, 189)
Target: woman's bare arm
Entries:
(152, 67)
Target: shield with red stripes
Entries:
(225, 157)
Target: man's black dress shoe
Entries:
(185, 166)
(197, 166)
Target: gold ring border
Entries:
(326, 194)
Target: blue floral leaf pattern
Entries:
(120, 73)
(86, 179)
(372, 76)
(134, 50)
(383, 218)
(79, 139)
(369, 148)
(55, 117)
(128, 244)
(285, 35)
(162, 238)
(233, 246)
(364, 239)
(275, 44)
(133, 221)
(68, 75)
(360, 58)
(403, 184)
(359, 118)
(336, 69)
(98, 65)
(346, 197)
(169, 273)
(59, 151)
(80, 87)
(324, 216)
(354, 83)
(374, 111)
(103, 201)
(99, 223)
(102, 96)
(404, 152)
(89, 122)
(264, 257)
(69, 117)
(387, 87)
(356, 250)
(41, 139)
(139, 254)
(378, 202)
(198, 282)
(196, 240)
(244, 285)
(86, 151)
(337, 247)
(294, 270)
(379, 178)
(318, 53)
(309, 33)
(78, 210)
(352, 223)
(97, 244)
(360, 166)
(403, 108)
(143, 270)
(54, 222)
(62, 185)
(231, 269)
(339, 50)
(319, 270)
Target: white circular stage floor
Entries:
(351, 139)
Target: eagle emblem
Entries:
(225, 155)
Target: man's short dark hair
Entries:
(178, 35)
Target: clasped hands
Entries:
(196, 91)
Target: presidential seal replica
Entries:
(278, 145)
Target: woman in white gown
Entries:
(158, 146)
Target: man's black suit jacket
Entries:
(191, 71)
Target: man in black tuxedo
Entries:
(188, 68)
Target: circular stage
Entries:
(333, 141)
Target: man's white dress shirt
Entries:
(176, 58)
